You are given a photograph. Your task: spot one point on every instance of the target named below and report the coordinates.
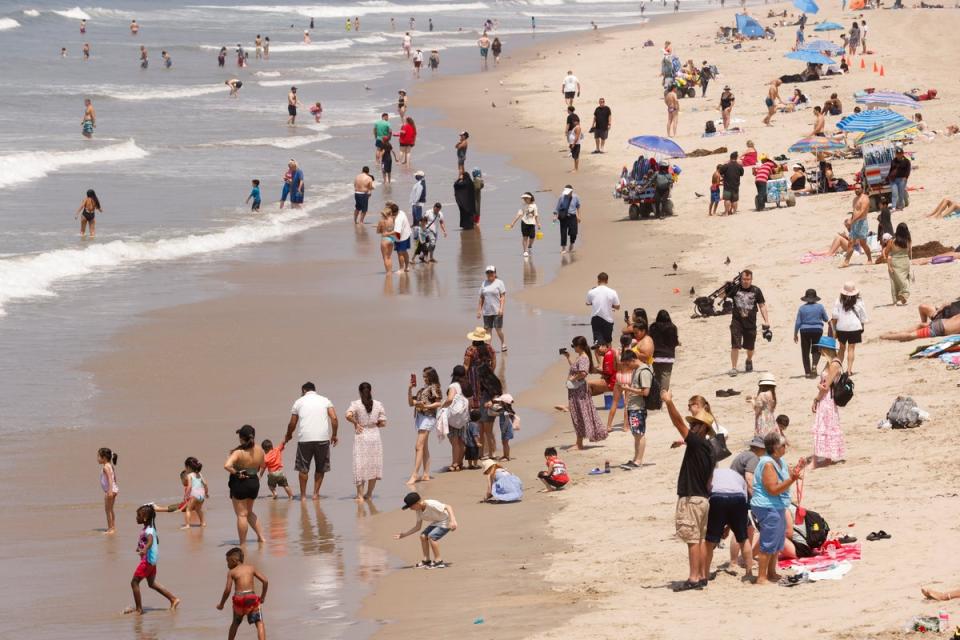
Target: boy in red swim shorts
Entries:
(245, 600)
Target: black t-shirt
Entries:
(696, 468)
(602, 116)
(731, 175)
(745, 303)
(572, 120)
(900, 168)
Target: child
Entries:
(245, 601)
(471, 440)
(636, 392)
(386, 160)
(195, 493)
(555, 477)
(171, 508)
(509, 422)
(764, 406)
(441, 521)
(167, 62)
(255, 195)
(317, 111)
(714, 191)
(273, 466)
(148, 548)
(108, 482)
(783, 421)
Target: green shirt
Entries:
(382, 128)
(642, 379)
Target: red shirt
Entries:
(763, 171)
(408, 134)
(558, 469)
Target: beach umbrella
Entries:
(806, 6)
(829, 26)
(664, 147)
(822, 45)
(895, 131)
(812, 57)
(814, 144)
(872, 119)
(889, 98)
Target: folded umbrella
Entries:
(665, 147)
(811, 57)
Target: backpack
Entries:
(904, 413)
(813, 531)
(663, 182)
(458, 413)
(842, 389)
(652, 401)
(710, 127)
(563, 207)
(666, 67)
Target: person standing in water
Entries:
(234, 84)
(143, 57)
(292, 103)
(88, 208)
(363, 186)
(258, 43)
(86, 51)
(134, 28)
(89, 122)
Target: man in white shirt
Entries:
(604, 301)
(401, 227)
(493, 297)
(315, 421)
(571, 88)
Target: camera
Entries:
(563, 351)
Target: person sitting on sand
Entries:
(945, 208)
(833, 106)
(795, 102)
(798, 178)
(750, 156)
(841, 242)
(502, 486)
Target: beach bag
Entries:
(563, 209)
(842, 389)
(710, 127)
(720, 449)
(458, 413)
(652, 401)
(904, 413)
(815, 529)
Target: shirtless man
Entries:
(484, 44)
(819, 122)
(234, 84)
(246, 603)
(773, 99)
(363, 186)
(673, 111)
(89, 122)
(143, 57)
(134, 28)
(858, 226)
(936, 329)
(292, 103)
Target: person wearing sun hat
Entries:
(765, 406)
(493, 298)
(808, 329)
(502, 486)
(693, 489)
(828, 442)
(849, 318)
(529, 219)
(478, 355)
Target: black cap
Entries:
(246, 432)
(410, 499)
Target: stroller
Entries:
(706, 306)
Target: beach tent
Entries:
(856, 5)
(829, 26)
(748, 27)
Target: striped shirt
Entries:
(764, 170)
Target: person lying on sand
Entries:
(936, 329)
(945, 208)
(939, 595)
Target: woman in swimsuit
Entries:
(402, 103)
(387, 238)
(244, 465)
(88, 208)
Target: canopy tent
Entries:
(748, 27)
(806, 6)
(872, 119)
(663, 147)
(810, 57)
(814, 144)
(821, 46)
(829, 26)
(889, 98)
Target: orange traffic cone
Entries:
(881, 71)
(863, 64)
(874, 66)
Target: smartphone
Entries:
(626, 317)
(563, 351)
(413, 379)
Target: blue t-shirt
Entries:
(761, 498)
(255, 194)
(154, 551)
(810, 317)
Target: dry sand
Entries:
(608, 553)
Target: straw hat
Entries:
(479, 335)
(850, 289)
(488, 464)
(705, 418)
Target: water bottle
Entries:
(606, 469)
(944, 625)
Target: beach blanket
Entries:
(952, 359)
(729, 132)
(822, 559)
(947, 344)
(808, 257)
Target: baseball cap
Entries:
(246, 432)
(410, 499)
(490, 269)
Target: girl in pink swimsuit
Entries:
(108, 482)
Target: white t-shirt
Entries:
(528, 213)
(728, 482)
(433, 221)
(491, 292)
(313, 422)
(602, 298)
(434, 513)
(401, 226)
(852, 320)
(418, 56)
(570, 83)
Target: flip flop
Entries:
(686, 585)
(722, 393)
(847, 540)
(596, 471)
(883, 535)
(732, 392)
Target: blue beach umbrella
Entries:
(872, 119)
(822, 45)
(806, 6)
(892, 131)
(812, 57)
(829, 26)
(814, 144)
(664, 147)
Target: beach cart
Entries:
(778, 192)
(873, 176)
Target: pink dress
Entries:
(827, 436)
(367, 446)
(583, 414)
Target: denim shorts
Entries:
(425, 422)
(435, 532)
(506, 427)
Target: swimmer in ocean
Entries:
(86, 51)
(234, 85)
(143, 57)
(167, 62)
(89, 122)
(134, 28)
(88, 208)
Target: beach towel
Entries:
(728, 132)
(808, 257)
(952, 359)
(937, 348)
(822, 559)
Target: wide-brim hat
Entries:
(487, 465)
(826, 342)
(850, 289)
(810, 296)
(504, 399)
(768, 380)
(705, 418)
(479, 335)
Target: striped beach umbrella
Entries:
(815, 144)
(888, 98)
(898, 131)
(871, 119)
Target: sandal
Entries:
(687, 585)
(721, 393)
(847, 540)
(732, 392)
(596, 471)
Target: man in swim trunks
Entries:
(417, 62)
(246, 602)
(292, 103)
(134, 28)
(234, 84)
(858, 226)
(936, 329)
(484, 44)
(363, 186)
(570, 88)
(773, 98)
(89, 122)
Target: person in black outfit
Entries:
(602, 119)
(665, 343)
(747, 299)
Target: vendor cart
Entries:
(873, 176)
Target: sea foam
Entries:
(17, 168)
